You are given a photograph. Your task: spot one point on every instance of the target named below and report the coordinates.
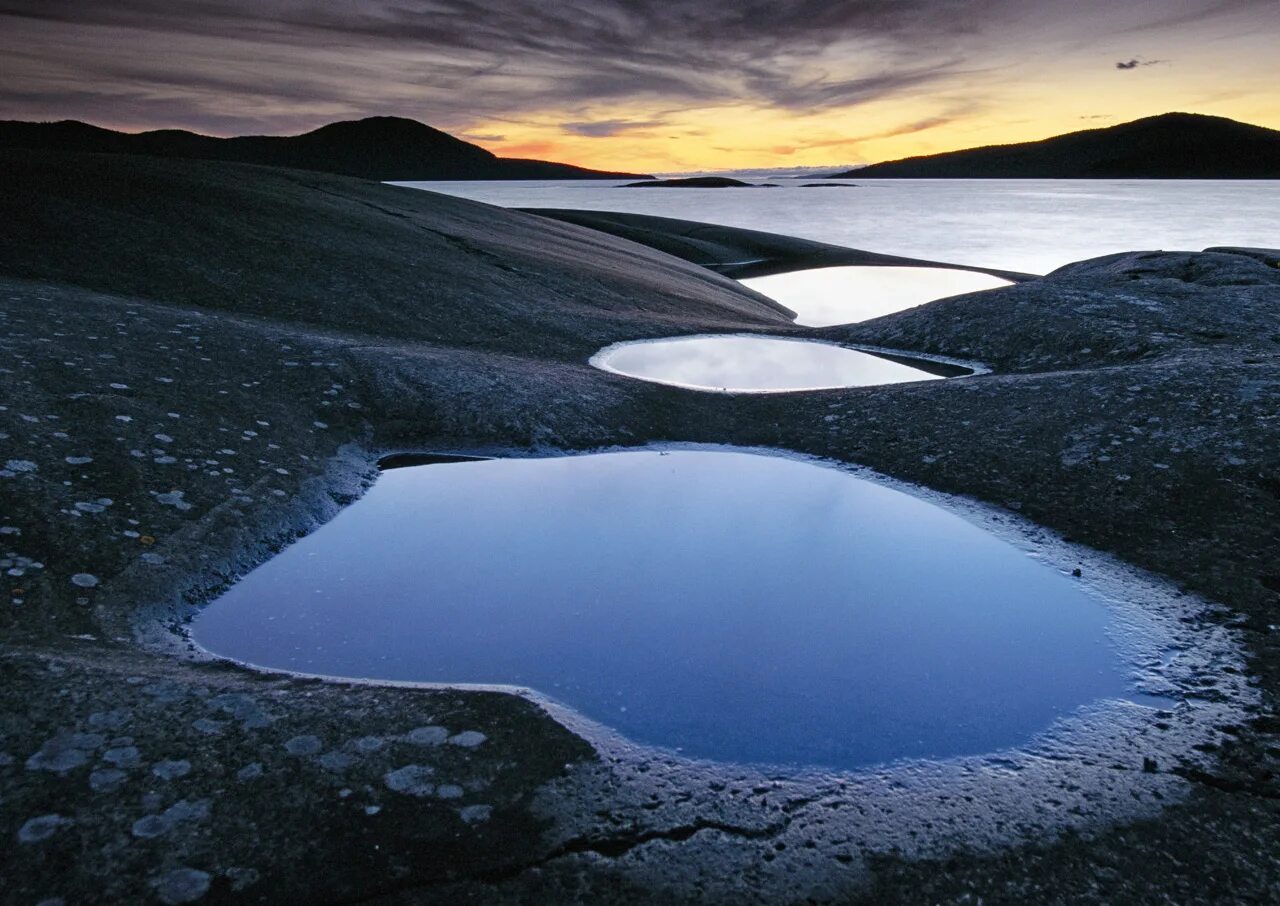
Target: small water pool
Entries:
(845, 295)
(754, 364)
(734, 606)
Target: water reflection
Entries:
(845, 295)
(744, 363)
(737, 606)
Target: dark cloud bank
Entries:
(278, 65)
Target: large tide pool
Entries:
(726, 604)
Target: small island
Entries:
(697, 182)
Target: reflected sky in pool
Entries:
(845, 295)
(735, 606)
(753, 364)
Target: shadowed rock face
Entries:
(341, 254)
(200, 361)
(735, 252)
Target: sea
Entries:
(1032, 226)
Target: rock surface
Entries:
(201, 361)
(739, 253)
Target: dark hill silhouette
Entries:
(381, 147)
(1170, 146)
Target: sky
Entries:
(653, 85)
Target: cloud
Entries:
(462, 61)
(280, 65)
(608, 128)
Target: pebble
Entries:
(37, 830)
(427, 736)
(468, 739)
(410, 780)
(182, 885)
(303, 745)
(106, 779)
(475, 814)
(169, 770)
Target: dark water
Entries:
(736, 606)
(1030, 225)
(754, 364)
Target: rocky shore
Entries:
(202, 361)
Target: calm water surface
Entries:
(1020, 225)
(743, 363)
(844, 295)
(736, 606)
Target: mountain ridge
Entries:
(1166, 146)
(382, 147)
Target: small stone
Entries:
(410, 780)
(241, 878)
(449, 791)
(106, 779)
(187, 810)
(303, 745)
(57, 756)
(112, 720)
(370, 743)
(242, 708)
(335, 761)
(170, 770)
(84, 580)
(467, 739)
(427, 736)
(173, 499)
(250, 771)
(182, 885)
(150, 826)
(122, 757)
(37, 830)
(211, 727)
(475, 814)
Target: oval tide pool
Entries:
(734, 606)
(752, 364)
(845, 295)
